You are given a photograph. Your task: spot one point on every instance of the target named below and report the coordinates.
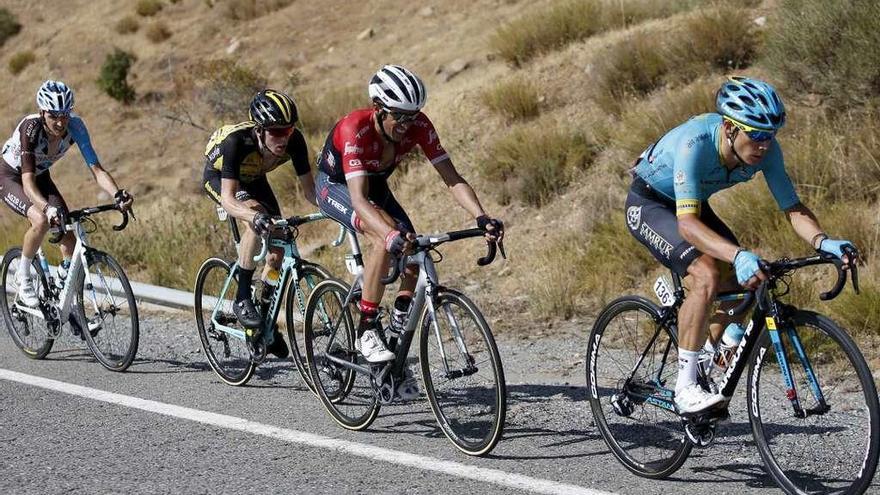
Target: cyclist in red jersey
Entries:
(362, 150)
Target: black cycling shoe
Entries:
(278, 346)
(247, 314)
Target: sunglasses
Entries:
(756, 135)
(279, 132)
(403, 118)
(58, 115)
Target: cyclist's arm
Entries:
(307, 182)
(359, 188)
(299, 158)
(104, 179)
(706, 240)
(462, 191)
(804, 222)
(238, 209)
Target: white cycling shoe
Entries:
(408, 389)
(692, 399)
(372, 347)
(27, 293)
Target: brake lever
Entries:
(501, 248)
(852, 255)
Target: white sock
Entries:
(24, 267)
(687, 368)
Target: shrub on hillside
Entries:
(158, 32)
(633, 67)
(20, 60)
(829, 48)
(723, 37)
(318, 112)
(9, 26)
(148, 8)
(227, 87)
(533, 163)
(245, 10)
(127, 25)
(515, 99)
(114, 76)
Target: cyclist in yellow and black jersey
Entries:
(238, 157)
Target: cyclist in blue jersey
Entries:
(39, 141)
(667, 210)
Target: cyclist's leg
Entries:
(261, 191)
(410, 275)
(53, 196)
(719, 320)
(14, 196)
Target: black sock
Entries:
(244, 284)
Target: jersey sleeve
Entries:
(351, 148)
(778, 180)
(429, 141)
(80, 136)
(29, 134)
(686, 179)
(299, 153)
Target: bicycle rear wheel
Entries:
(631, 369)
(298, 291)
(30, 333)
(110, 317)
(834, 449)
(462, 373)
(329, 336)
(227, 354)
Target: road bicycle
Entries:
(459, 362)
(231, 353)
(812, 402)
(95, 298)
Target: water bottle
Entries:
(733, 334)
(270, 282)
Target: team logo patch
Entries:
(679, 178)
(634, 217)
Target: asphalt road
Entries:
(169, 425)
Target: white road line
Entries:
(495, 476)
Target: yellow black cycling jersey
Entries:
(234, 153)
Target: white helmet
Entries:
(399, 89)
(54, 96)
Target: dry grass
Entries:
(127, 25)
(9, 26)
(319, 111)
(20, 61)
(515, 99)
(534, 162)
(158, 32)
(226, 87)
(148, 8)
(245, 10)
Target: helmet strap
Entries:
(380, 119)
(730, 138)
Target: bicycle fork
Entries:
(786, 369)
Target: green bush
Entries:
(515, 99)
(158, 32)
(829, 48)
(227, 87)
(9, 26)
(20, 60)
(148, 8)
(127, 25)
(114, 75)
(535, 162)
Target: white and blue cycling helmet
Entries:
(395, 87)
(55, 96)
(752, 103)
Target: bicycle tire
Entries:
(479, 393)
(659, 438)
(852, 420)
(29, 333)
(310, 274)
(240, 368)
(113, 346)
(348, 396)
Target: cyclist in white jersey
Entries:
(39, 141)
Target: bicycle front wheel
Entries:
(462, 373)
(227, 354)
(29, 332)
(632, 366)
(110, 317)
(347, 394)
(298, 292)
(833, 447)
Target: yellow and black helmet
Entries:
(271, 108)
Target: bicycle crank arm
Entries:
(453, 374)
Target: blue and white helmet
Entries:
(397, 88)
(54, 96)
(751, 102)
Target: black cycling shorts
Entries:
(651, 220)
(258, 190)
(12, 190)
(335, 201)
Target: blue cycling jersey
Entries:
(685, 166)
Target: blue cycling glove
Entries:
(834, 246)
(746, 264)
